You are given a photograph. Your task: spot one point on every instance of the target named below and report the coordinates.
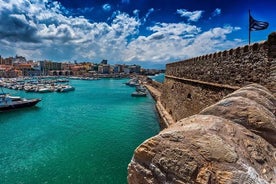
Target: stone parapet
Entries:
(235, 67)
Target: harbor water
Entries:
(83, 136)
(158, 77)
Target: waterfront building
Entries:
(118, 68)
(78, 70)
(47, 66)
(24, 67)
(66, 66)
(19, 59)
(6, 61)
(104, 69)
(9, 71)
(135, 69)
(126, 70)
(104, 62)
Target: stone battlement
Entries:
(193, 84)
(236, 52)
(238, 67)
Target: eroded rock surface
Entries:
(253, 107)
(218, 146)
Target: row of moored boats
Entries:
(140, 90)
(30, 86)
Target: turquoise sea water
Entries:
(84, 136)
(159, 77)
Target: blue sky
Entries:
(146, 32)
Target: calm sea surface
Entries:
(84, 136)
(159, 77)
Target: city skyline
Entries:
(146, 32)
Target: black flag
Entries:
(255, 25)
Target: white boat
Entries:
(44, 90)
(65, 88)
(8, 102)
(139, 94)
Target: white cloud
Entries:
(172, 42)
(136, 12)
(192, 16)
(39, 30)
(178, 29)
(149, 12)
(106, 7)
(216, 12)
(212, 40)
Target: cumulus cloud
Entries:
(173, 42)
(192, 16)
(43, 30)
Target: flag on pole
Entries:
(255, 25)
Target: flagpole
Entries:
(249, 30)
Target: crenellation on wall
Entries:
(238, 66)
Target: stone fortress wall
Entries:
(219, 124)
(196, 83)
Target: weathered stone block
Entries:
(206, 149)
(230, 142)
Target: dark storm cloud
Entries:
(17, 27)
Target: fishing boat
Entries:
(8, 102)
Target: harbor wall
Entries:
(193, 84)
(232, 141)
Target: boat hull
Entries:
(138, 94)
(20, 104)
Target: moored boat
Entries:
(141, 88)
(8, 102)
(132, 82)
(44, 90)
(65, 88)
(139, 94)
